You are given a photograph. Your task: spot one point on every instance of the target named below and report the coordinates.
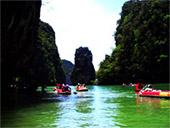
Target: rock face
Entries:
(46, 65)
(142, 45)
(83, 71)
(29, 53)
(19, 25)
(68, 67)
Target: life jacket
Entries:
(139, 86)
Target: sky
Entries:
(83, 23)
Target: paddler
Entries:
(139, 87)
(149, 88)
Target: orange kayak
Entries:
(82, 89)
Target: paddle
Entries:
(75, 92)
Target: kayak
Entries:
(82, 89)
(154, 93)
(60, 91)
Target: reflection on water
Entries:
(100, 107)
(151, 105)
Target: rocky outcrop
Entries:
(19, 25)
(142, 45)
(29, 54)
(83, 71)
(68, 67)
(46, 65)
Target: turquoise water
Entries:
(100, 107)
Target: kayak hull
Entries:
(159, 94)
(82, 89)
(60, 91)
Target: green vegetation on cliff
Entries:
(83, 71)
(142, 45)
(47, 63)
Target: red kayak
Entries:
(82, 89)
(63, 89)
(60, 91)
(154, 93)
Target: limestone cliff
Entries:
(68, 67)
(83, 71)
(19, 25)
(29, 56)
(46, 65)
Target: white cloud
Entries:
(81, 23)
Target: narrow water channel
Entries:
(100, 107)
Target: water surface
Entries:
(100, 107)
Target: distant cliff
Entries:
(83, 71)
(68, 67)
(19, 25)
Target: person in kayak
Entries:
(149, 88)
(58, 86)
(139, 87)
(83, 86)
(63, 87)
(67, 87)
(78, 85)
